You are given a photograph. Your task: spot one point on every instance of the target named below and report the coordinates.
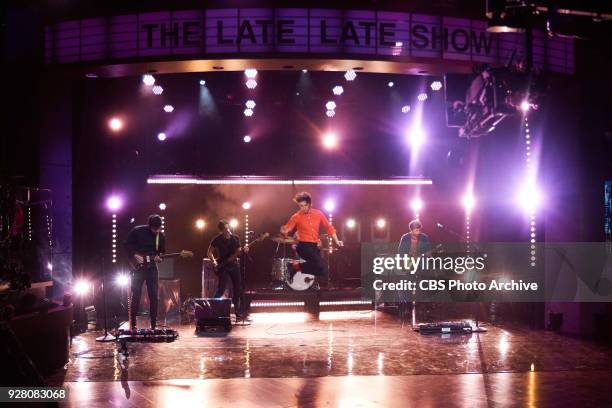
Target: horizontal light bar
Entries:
(257, 180)
(276, 304)
(345, 302)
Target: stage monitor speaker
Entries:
(166, 269)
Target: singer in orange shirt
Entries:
(307, 221)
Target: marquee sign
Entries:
(281, 32)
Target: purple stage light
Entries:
(338, 90)
(390, 84)
(329, 206)
(330, 105)
(530, 198)
(416, 205)
(262, 180)
(405, 108)
(351, 223)
(148, 79)
(168, 108)
(115, 124)
(233, 223)
(202, 82)
(330, 140)
(247, 139)
(250, 73)
(250, 104)
(330, 113)
(246, 205)
(114, 203)
(416, 137)
(157, 90)
(350, 75)
(436, 85)
(248, 112)
(422, 97)
(81, 287)
(525, 106)
(162, 206)
(161, 136)
(468, 202)
(122, 280)
(251, 84)
(381, 223)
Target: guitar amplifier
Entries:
(213, 312)
(210, 280)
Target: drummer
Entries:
(307, 221)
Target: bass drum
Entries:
(279, 270)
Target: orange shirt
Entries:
(308, 225)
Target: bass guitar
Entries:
(232, 258)
(150, 259)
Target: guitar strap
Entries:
(157, 243)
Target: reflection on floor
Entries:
(344, 359)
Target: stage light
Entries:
(122, 280)
(530, 198)
(422, 97)
(436, 85)
(200, 224)
(525, 106)
(233, 223)
(202, 82)
(390, 84)
(168, 108)
(329, 206)
(157, 90)
(250, 73)
(330, 140)
(161, 136)
(148, 79)
(247, 139)
(351, 223)
(330, 113)
(338, 90)
(250, 104)
(405, 108)
(416, 205)
(468, 202)
(81, 287)
(381, 223)
(49, 266)
(115, 124)
(246, 205)
(114, 203)
(330, 105)
(248, 112)
(251, 84)
(350, 75)
(162, 206)
(416, 137)
(304, 71)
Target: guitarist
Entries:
(145, 240)
(224, 250)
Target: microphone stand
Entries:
(107, 336)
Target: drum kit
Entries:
(283, 266)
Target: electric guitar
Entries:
(150, 259)
(232, 258)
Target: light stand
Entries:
(107, 336)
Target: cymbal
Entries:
(283, 240)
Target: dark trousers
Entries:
(231, 272)
(148, 275)
(315, 264)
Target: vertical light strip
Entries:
(467, 231)
(530, 176)
(114, 239)
(163, 226)
(246, 228)
(29, 223)
(330, 217)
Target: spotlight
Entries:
(525, 106)
(162, 206)
(381, 223)
(81, 287)
(330, 113)
(304, 71)
(115, 124)
(157, 90)
(351, 223)
(330, 140)
(250, 73)
(148, 79)
(246, 205)
(338, 90)
(161, 136)
(416, 205)
(250, 104)
(468, 202)
(247, 139)
(436, 85)
(390, 84)
(200, 224)
(168, 108)
(202, 82)
(233, 223)
(122, 280)
(251, 84)
(248, 112)
(329, 206)
(114, 203)
(405, 108)
(330, 105)
(416, 137)
(350, 75)
(422, 97)
(530, 198)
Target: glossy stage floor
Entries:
(346, 359)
